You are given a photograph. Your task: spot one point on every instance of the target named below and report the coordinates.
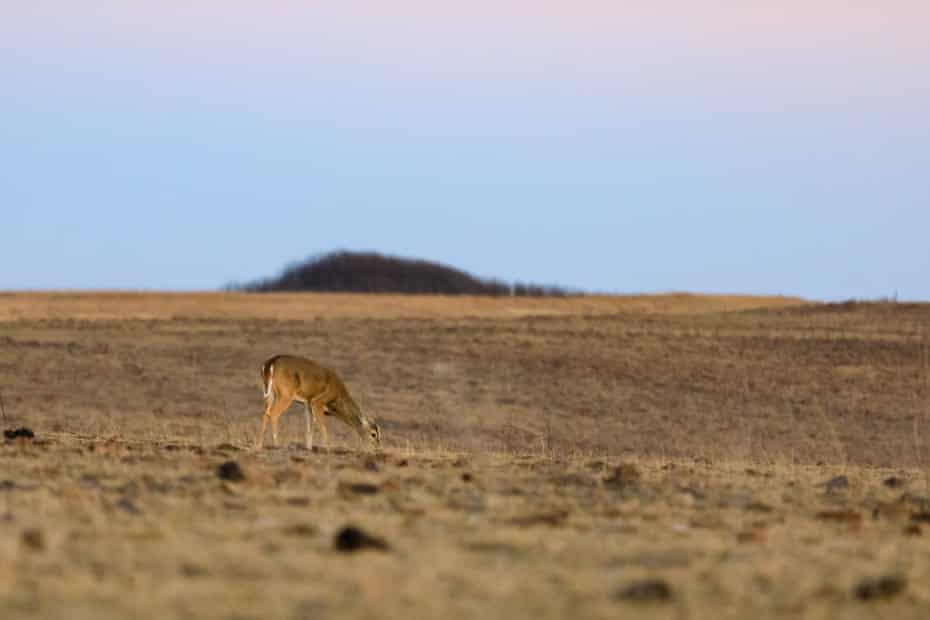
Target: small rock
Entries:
(913, 530)
(351, 538)
(755, 506)
(646, 591)
(33, 539)
(231, 471)
(893, 482)
(755, 535)
(21, 432)
(188, 569)
(370, 465)
(836, 484)
(90, 481)
(403, 463)
(127, 504)
(467, 477)
(358, 488)
(880, 587)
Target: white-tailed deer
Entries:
(286, 378)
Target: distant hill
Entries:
(371, 272)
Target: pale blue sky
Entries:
(780, 150)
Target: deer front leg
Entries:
(274, 431)
(261, 435)
(260, 440)
(274, 407)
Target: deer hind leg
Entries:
(309, 427)
(318, 407)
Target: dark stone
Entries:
(837, 483)
(16, 433)
(758, 507)
(188, 569)
(893, 482)
(128, 505)
(359, 488)
(850, 517)
(645, 591)
(33, 539)
(553, 518)
(231, 471)
(351, 538)
(883, 587)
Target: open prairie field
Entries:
(673, 456)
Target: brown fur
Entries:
(320, 389)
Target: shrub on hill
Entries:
(370, 272)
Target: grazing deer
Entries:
(286, 378)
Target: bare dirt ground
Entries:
(660, 457)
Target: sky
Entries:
(626, 146)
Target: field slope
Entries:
(542, 456)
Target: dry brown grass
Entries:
(504, 420)
(305, 306)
